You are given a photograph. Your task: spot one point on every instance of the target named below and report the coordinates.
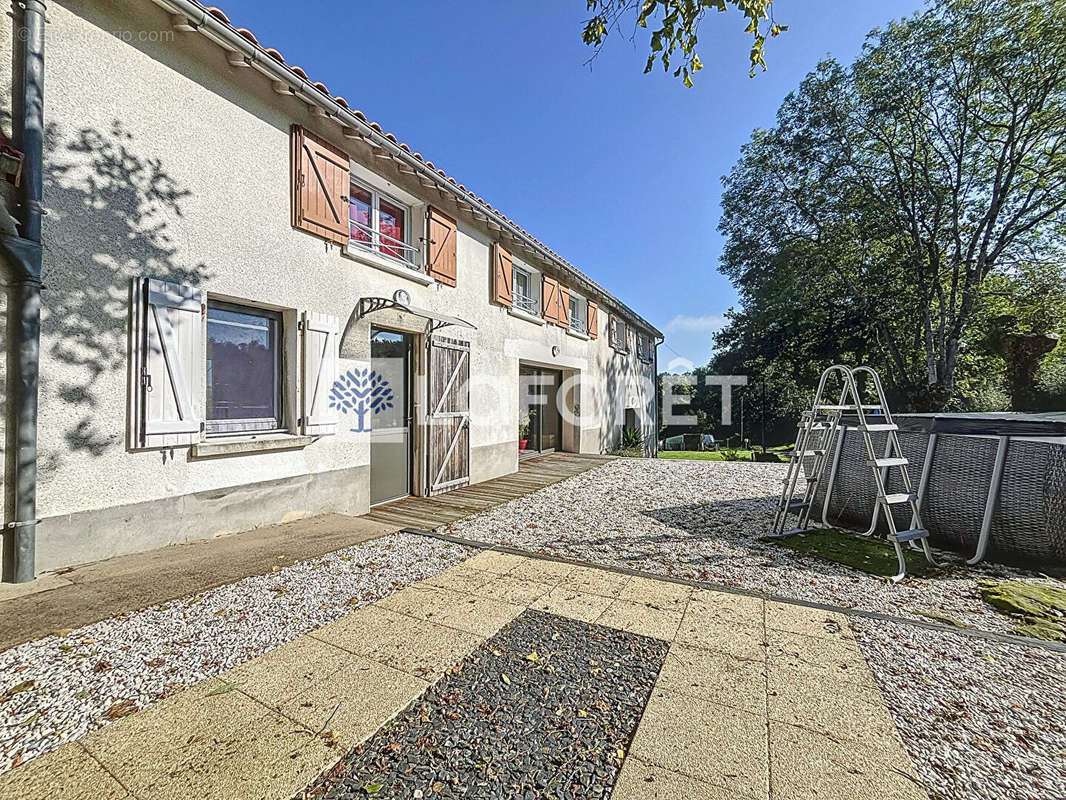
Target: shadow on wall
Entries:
(110, 214)
(621, 376)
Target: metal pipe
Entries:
(23, 253)
(991, 500)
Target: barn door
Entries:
(448, 417)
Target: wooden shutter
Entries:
(169, 331)
(448, 418)
(320, 186)
(319, 355)
(563, 312)
(502, 275)
(442, 233)
(594, 320)
(549, 298)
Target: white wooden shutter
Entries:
(319, 372)
(169, 387)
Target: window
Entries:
(380, 223)
(618, 335)
(524, 295)
(243, 369)
(645, 348)
(578, 310)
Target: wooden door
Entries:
(448, 417)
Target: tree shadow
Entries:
(110, 216)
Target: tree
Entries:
(895, 188)
(679, 23)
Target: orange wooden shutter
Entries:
(320, 183)
(502, 275)
(594, 320)
(549, 298)
(442, 246)
(563, 315)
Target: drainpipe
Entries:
(655, 400)
(23, 255)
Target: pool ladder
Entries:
(815, 435)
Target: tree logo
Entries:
(361, 392)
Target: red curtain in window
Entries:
(359, 214)
(392, 229)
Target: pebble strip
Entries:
(59, 688)
(982, 720)
(702, 520)
(544, 709)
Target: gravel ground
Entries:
(544, 709)
(702, 520)
(982, 720)
(59, 688)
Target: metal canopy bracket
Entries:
(370, 305)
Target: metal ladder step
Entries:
(797, 505)
(908, 536)
(805, 453)
(897, 498)
(850, 408)
(877, 427)
(889, 462)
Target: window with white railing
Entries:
(381, 224)
(578, 313)
(525, 290)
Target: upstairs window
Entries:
(578, 313)
(379, 223)
(525, 296)
(243, 369)
(618, 335)
(645, 348)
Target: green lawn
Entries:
(716, 455)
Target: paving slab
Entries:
(640, 781)
(282, 674)
(595, 581)
(711, 743)
(805, 764)
(354, 701)
(493, 561)
(641, 618)
(515, 590)
(552, 572)
(573, 604)
(658, 594)
(742, 641)
(803, 619)
(69, 773)
(715, 676)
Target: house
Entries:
(258, 305)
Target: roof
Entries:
(211, 21)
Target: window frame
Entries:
(619, 342)
(374, 245)
(644, 347)
(579, 321)
(532, 305)
(249, 426)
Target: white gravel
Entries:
(982, 720)
(58, 688)
(702, 520)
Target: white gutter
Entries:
(191, 16)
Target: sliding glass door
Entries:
(539, 422)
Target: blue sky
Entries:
(618, 171)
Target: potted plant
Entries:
(523, 433)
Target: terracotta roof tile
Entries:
(247, 34)
(218, 13)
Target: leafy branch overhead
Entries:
(678, 31)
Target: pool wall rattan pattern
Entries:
(1029, 523)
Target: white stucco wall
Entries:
(163, 161)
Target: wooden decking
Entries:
(427, 513)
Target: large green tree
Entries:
(887, 194)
